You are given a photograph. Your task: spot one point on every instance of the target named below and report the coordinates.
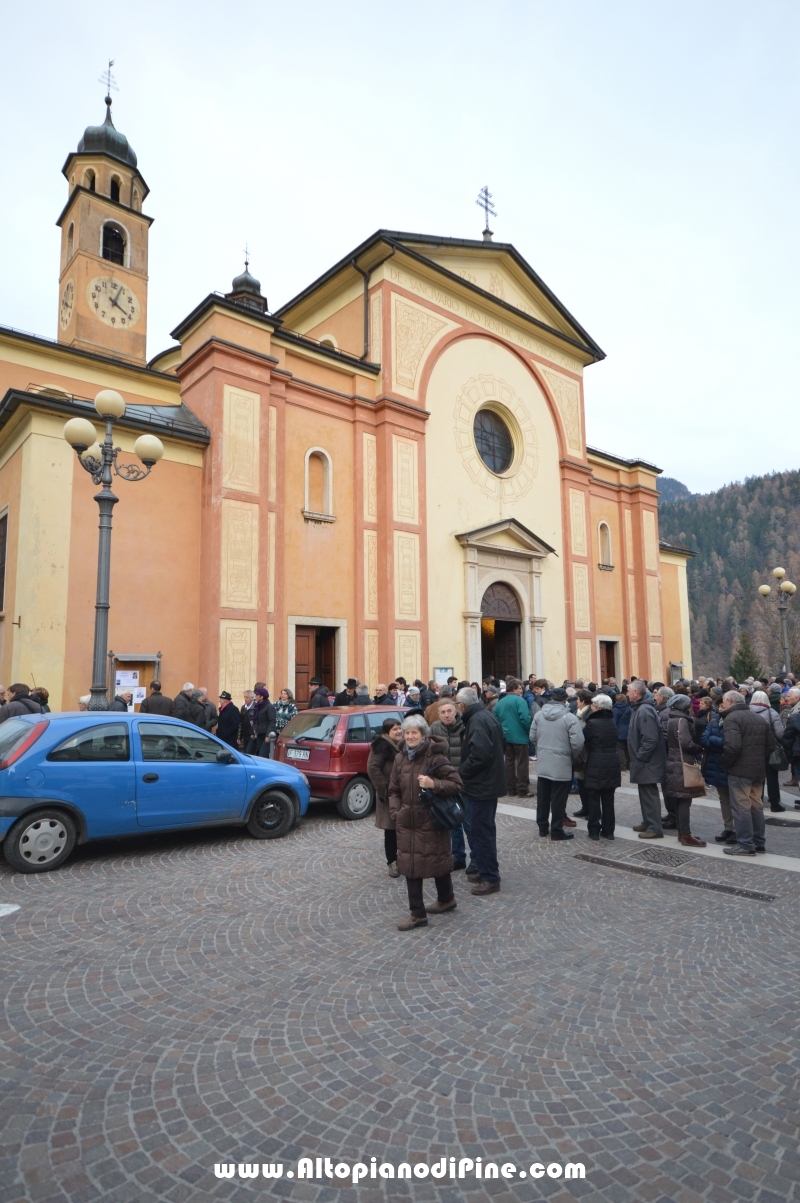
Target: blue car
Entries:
(69, 778)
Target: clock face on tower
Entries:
(113, 302)
(67, 303)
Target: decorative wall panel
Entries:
(656, 662)
(653, 606)
(583, 659)
(568, 398)
(406, 494)
(370, 478)
(238, 660)
(580, 581)
(240, 427)
(632, 604)
(406, 575)
(415, 329)
(650, 541)
(271, 562)
(270, 673)
(635, 657)
(629, 538)
(577, 514)
(273, 453)
(371, 669)
(408, 654)
(376, 328)
(370, 574)
(239, 547)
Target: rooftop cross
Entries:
(246, 257)
(110, 82)
(484, 202)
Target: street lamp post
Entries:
(99, 459)
(787, 590)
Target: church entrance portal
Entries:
(314, 656)
(501, 620)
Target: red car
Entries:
(331, 747)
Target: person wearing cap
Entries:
(228, 720)
(413, 705)
(347, 697)
(319, 695)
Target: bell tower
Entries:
(102, 300)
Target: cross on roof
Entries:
(484, 202)
(108, 80)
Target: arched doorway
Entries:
(501, 620)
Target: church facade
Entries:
(388, 475)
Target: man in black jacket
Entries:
(747, 744)
(18, 703)
(228, 720)
(319, 696)
(483, 772)
(347, 697)
(157, 703)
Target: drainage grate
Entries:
(666, 875)
(663, 856)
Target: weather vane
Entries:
(109, 81)
(484, 202)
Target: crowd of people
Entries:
(479, 741)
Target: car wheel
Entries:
(272, 816)
(357, 800)
(40, 841)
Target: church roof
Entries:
(383, 244)
(106, 139)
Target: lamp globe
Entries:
(149, 449)
(80, 433)
(93, 452)
(788, 587)
(764, 590)
(779, 573)
(109, 403)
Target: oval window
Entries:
(493, 440)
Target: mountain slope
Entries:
(739, 534)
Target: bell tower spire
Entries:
(104, 244)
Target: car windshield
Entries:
(311, 724)
(12, 732)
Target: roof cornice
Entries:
(107, 199)
(183, 426)
(218, 301)
(87, 154)
(55, 347)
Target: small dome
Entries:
(106, 140)
(246, 283)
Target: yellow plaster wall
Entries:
(608, 586)
(675, 612)
(455, 504)
(42, 570)
(346, 325)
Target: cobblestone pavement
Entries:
(175, 1002)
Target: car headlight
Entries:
(306, 780)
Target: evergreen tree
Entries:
(745, 663)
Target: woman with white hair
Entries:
(760, 704)
(601, 774)
(422, 850)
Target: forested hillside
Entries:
(739, 534)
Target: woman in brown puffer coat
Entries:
(680, 739)
(379, 768)
(422, 850)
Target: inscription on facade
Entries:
(414, 330)
(568, 399)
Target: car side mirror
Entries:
(224, 757)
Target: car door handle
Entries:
(150, 777)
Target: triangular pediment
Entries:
(507, 535)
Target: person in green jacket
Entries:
(514, 717)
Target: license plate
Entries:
(297, 753)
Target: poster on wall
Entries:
(127, 680)
(440, 675)
(139, 695)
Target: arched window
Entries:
(328, 340)
(70, 241)
(114, 188)
(113, 244)
(318, 498)
(88, 179)
(137, 200)
(604, 537)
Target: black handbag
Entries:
(447, 811)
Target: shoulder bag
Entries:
(692, 776)
(447, 811)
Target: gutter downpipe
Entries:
(366, 276)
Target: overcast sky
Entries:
(642, 157)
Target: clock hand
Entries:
(115, 301)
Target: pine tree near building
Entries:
(745, 662)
